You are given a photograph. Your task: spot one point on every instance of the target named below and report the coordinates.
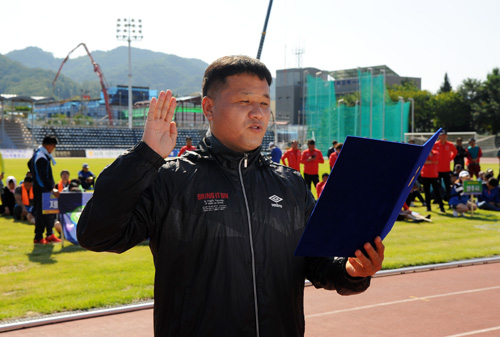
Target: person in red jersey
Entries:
(188, 147)
(292, 156)
(311, 158)
(446, 152)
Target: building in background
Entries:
(291, 87)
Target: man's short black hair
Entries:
(311, 142)
(493, 182)
(49, 140)
(216, 73)
(325, 175)
(188, 138)
(28, 179)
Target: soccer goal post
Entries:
(421, 137)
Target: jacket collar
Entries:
(229, 158)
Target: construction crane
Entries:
(97, 69)
(263, 36)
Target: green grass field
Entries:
(43, 279)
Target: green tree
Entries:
(446, 86)
(487, 111)
(472, 93)
(452, 112)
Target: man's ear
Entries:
(207, 104)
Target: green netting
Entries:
(375, 117)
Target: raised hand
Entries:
(160, 133)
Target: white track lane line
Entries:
(402, 301)
(470, 333)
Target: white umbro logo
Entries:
(276, 201)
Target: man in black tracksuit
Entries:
(223, 220)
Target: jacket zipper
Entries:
(244, 160)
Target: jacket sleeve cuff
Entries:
(149, 154)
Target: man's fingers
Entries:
(152, 109)
(171, 110)
(165, 104)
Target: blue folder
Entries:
(363, 196)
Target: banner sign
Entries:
(49, 203)
(473, 187)
(16, 153)
(71, 205)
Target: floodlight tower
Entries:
(128, 30)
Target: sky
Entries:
(421, 38)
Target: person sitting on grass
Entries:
(7, 195)
(25, 199)
(490, 198)
(86, 177)
(459, 201)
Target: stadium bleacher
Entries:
(73, 139)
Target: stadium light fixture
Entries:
(128, 29)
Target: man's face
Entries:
(189, 142)
(239, 112)
(85, 168)
(295, 145)
(27, 185)
(65, 176)
(472, 143)
(12, 185)
(310, 147)
(443, 137)
(50, 148)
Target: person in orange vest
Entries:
(64, 182)
(291, 157)
(25, 200)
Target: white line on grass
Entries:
(402, 301)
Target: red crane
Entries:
(97, 69)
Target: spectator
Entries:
(275, 153)
(25, 199)
(43, 182)
(429, 177)
(8, 198)
(333, 157)
(188, 147)
(473, 157)
(415, 194)
(481, 176)
(331, 149)
(223, 225)
(311, 158)
(490, 198)
(446, 152)
(321, 185)
(64, 182)
(86, 177)
(459, 201)
(498, 156)
(292, 156)
(461, 153)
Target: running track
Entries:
(452, 302)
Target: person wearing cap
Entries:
(86, 177)
(446, 152)
(275, 153)
(473, 156)
(490, 196)
(429, 177)
(459, 201)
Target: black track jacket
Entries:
(223, 227)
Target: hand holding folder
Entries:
(365, 192)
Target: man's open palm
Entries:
(160, 133)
